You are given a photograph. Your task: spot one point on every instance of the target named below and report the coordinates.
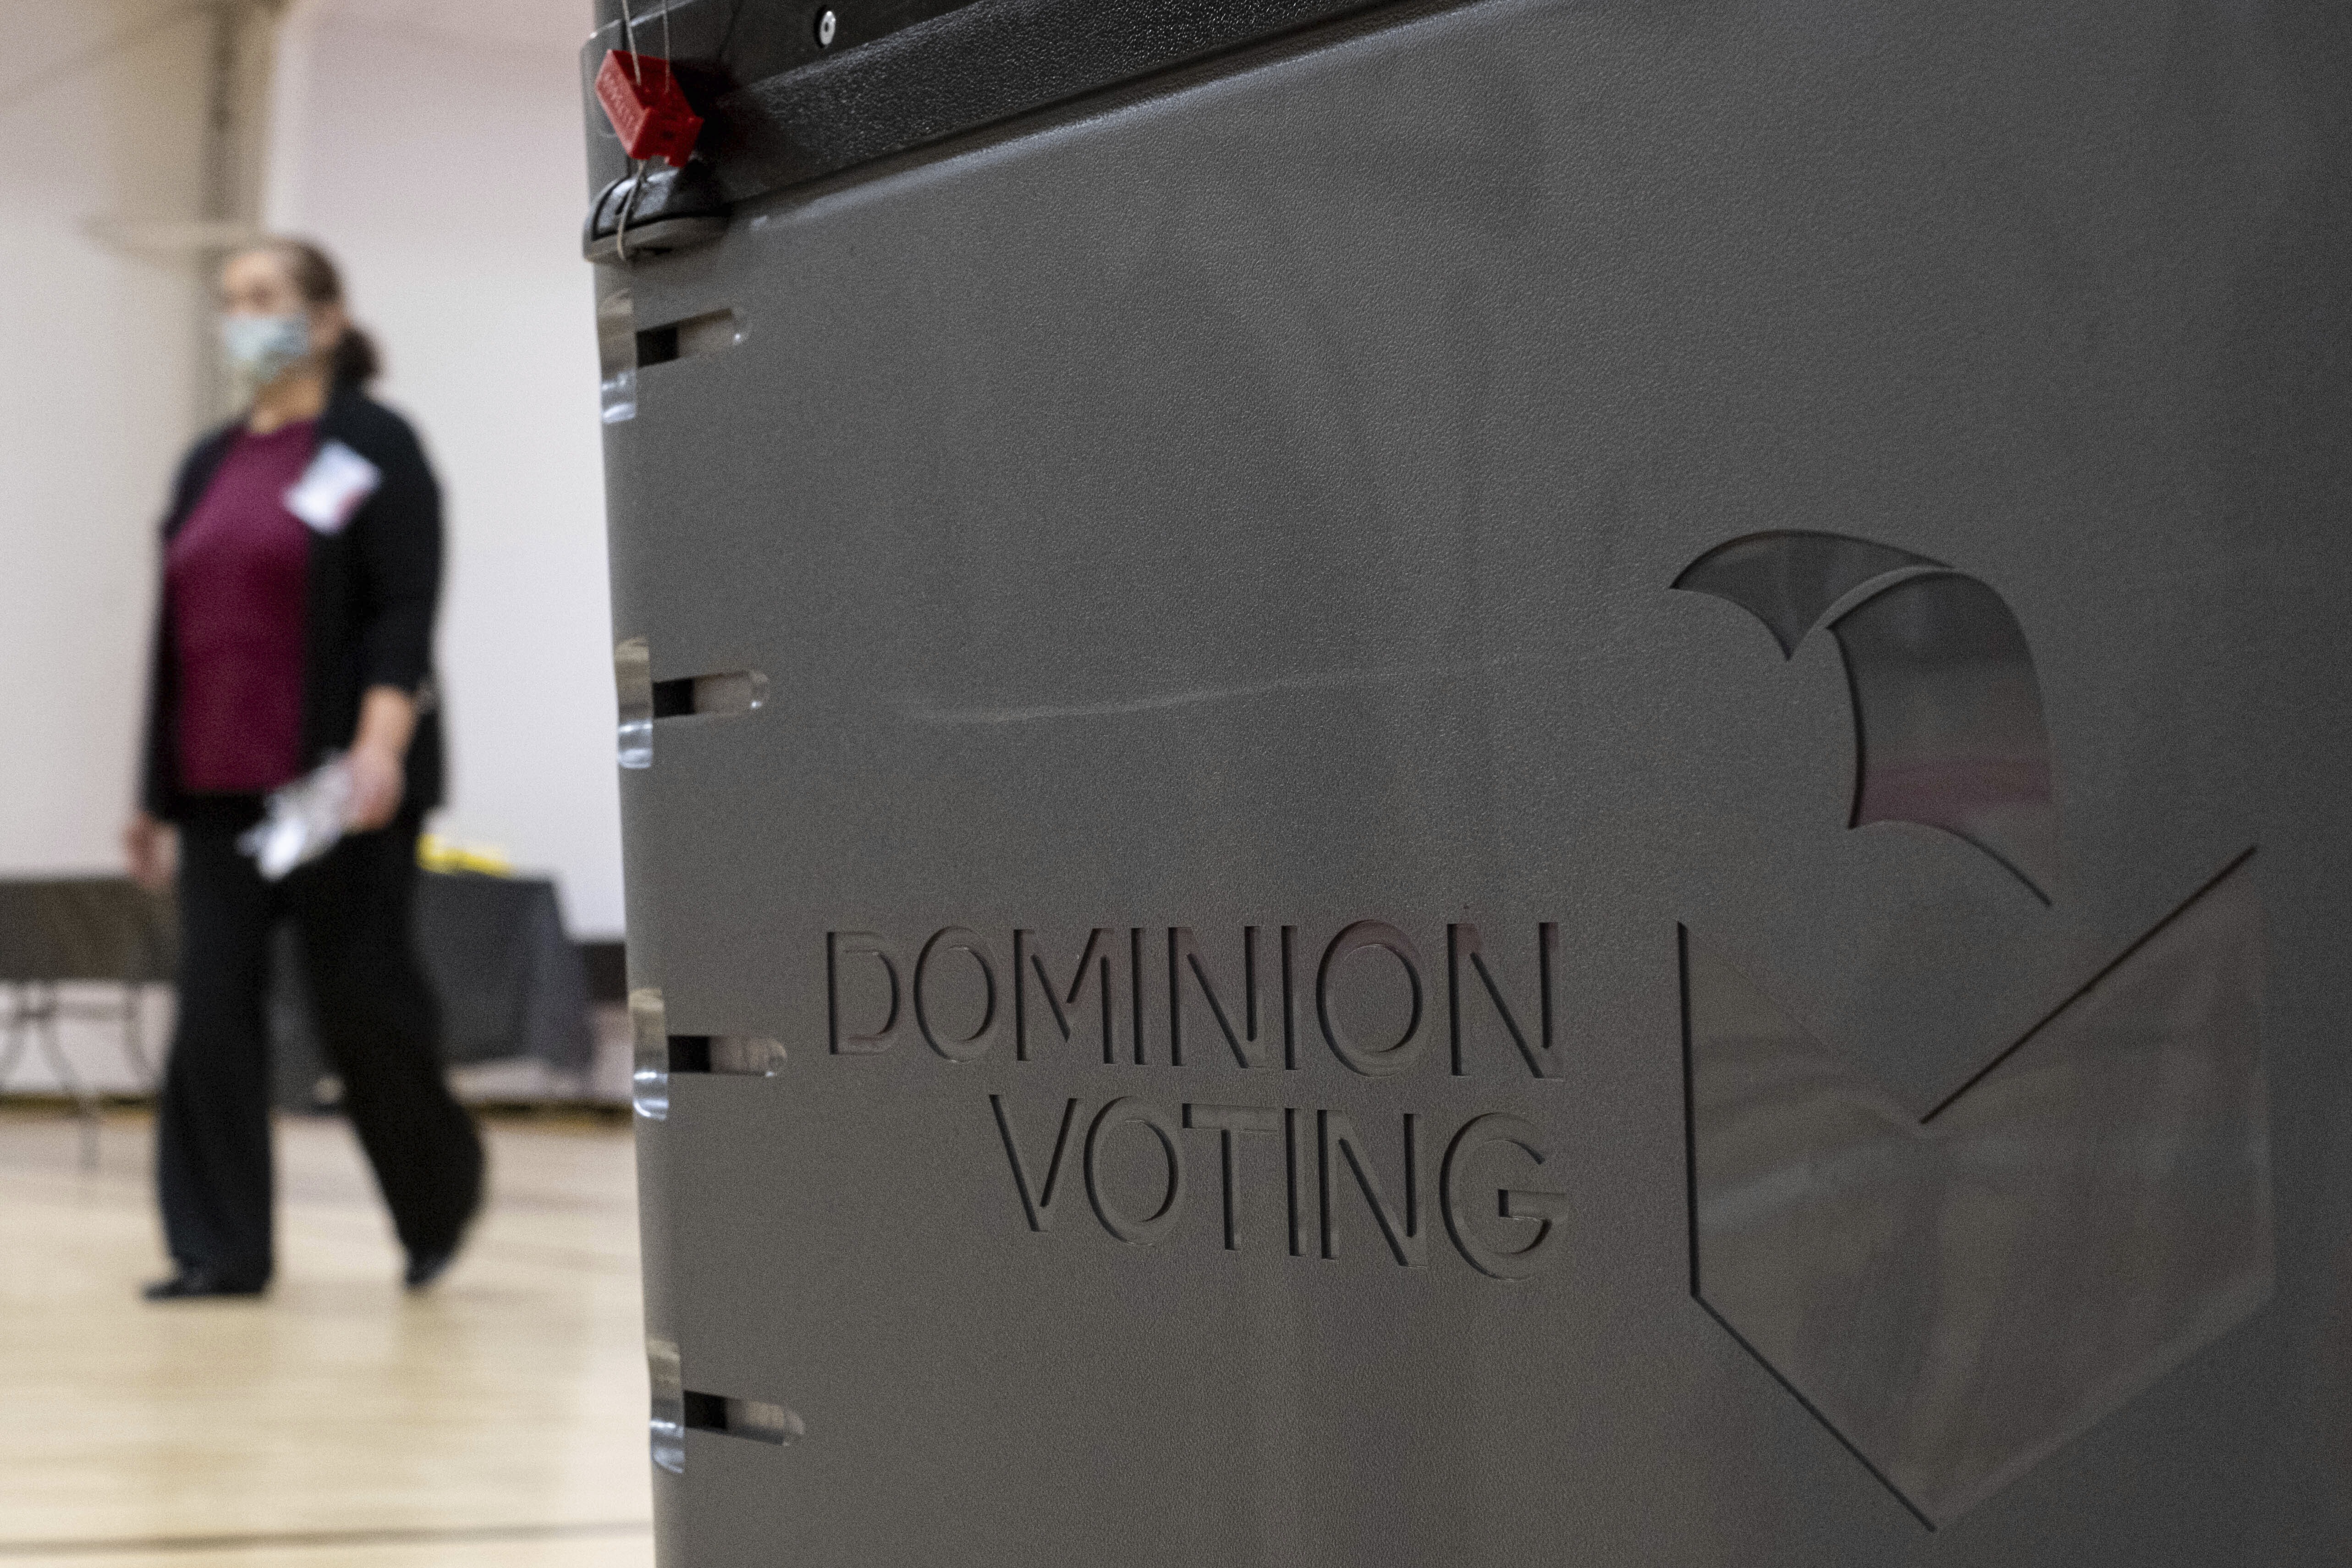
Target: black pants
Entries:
(375, 1014)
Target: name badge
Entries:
(331, 489)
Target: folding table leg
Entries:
(134, 1039)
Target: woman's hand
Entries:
(379, 772)
(378, 780)
(148, 847)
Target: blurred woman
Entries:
(302, 570)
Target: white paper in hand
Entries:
(331, 489)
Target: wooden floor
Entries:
(497, 1421)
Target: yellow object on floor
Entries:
(497, 1421)
(434, 853)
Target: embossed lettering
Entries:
(1298, 1181)
(1036, 1197)
(1406, 1048)
(1135, 985)
(1373, 1025)
(840, 948)
(1322, 1153)
(1249, 1044)
(1094, 963)
(1405, 1236)
(1153, 1227)
(1462, 945)
(956, 1047)
(1510, 1203)
(1230, 1123)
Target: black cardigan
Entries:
(368, 611)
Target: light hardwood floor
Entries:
(498, 1421)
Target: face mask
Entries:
(260, 348)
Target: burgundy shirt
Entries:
(236, 572)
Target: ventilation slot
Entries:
(732, 691)
(755, 1418)
(735, 1055)
(644, 700)
(703, 334)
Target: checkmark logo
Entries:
(1959, 1293)
(1948, 729)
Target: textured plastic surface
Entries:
(905, 74)
(1237, 782)
(973, 66)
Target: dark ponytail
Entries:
(354, 362)
(315, 277)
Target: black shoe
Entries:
(191, 1283)
(424, 1267)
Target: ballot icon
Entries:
(1958, 1291)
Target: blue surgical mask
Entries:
(261, 348)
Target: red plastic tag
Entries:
(647, 108)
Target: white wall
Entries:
(97, 397)
(435, 147)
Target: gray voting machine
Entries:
(1487, 783)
